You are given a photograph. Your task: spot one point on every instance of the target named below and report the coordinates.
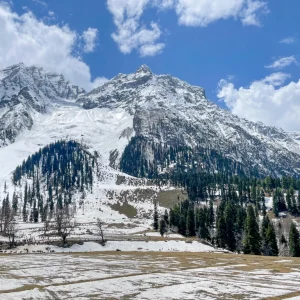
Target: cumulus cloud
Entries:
(202, 13)
(282, 62)
(26, 39)
(151, 50)
(249, 14)
(90, 37)
(132, 35)
(288, 40)
(267, 100)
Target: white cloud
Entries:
(131, 35)
(249, 13)
(27, 39)
(276, 79)
(99, 81)
(204, 12)
(201, 13)
(164, 4)
(282, 62)
(90, 37)
(288, 40)
(151, 50)
(266, 100)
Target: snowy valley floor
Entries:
(148, 275)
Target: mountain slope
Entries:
(25, 92)
(37, 108)
(169, 111)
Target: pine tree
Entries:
(166, 218)
(24, 212)
(275, 205)
(229, 216)
(162, 227)
(211, 214)
(15, 202)
(155, 217)
(59, 202)
(252, 240)
(190, 222)
(202, 222)
(271, 240)
(294, 241)
(221, 232)
(35, 215)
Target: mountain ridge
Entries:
(162, 108)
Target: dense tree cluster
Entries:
(234, 226)
(166, 159)
(50, 176)
(234, 223)
(208, 176)
(47, 180)
(60, 163)
(203, 172)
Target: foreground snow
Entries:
(163, 246)
(146, 276)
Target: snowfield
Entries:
(121, 245)
(128, 275)
(99, 129)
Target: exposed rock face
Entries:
(25, 91)
(159, 108)
(170, 111)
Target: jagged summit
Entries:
(143, 87)
(168, 110)
(15, 66)
(144, 69)
(52, 85)
(25, 91)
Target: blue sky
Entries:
(222, 48)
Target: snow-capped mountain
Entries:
(25, 91)
(37, 108)
(170, 111)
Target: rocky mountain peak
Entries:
(160, 109)
(143, 69)
(45, 85)
(143, 87)
(168, 110)
(25, 91)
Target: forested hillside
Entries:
(45, 183)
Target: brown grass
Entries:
(169, 198)
(124, 208)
